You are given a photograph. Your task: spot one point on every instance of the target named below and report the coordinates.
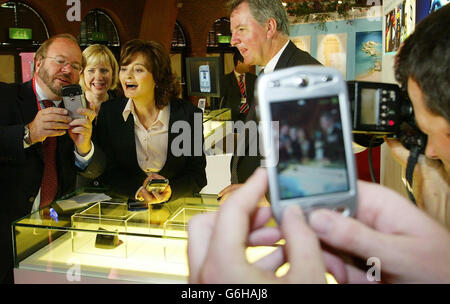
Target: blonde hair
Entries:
(100, 54)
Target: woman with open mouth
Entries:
(149, 133)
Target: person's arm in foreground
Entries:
(431, 183)
(410, 245)
(217, 242)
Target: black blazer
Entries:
(21, 169)
(291, 56)
(122, 175)
(232, 94)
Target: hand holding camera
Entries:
(218, 242)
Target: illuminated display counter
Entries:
(104, 242)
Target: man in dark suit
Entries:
(260, 31)
(238, 88)
(42, 148)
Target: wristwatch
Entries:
(26, 136)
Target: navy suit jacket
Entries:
(122, 175)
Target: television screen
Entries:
(204, 76)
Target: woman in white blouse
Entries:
(136, 134)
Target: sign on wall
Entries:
(20, 33)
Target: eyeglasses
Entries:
(63, 62)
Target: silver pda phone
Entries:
(306, 131)
(73, 99)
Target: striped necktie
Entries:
(49, 184)
(243, 109)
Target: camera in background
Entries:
(382, 109)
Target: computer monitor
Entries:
(204, 76)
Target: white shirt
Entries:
(238, 74)
(270, 66)
(152, 143)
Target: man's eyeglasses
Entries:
(63, 62)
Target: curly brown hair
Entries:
(157, 61)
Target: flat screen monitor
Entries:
(204, 76)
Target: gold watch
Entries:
(26, 136)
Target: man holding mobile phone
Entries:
(42, 146)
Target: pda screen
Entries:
(311, 153)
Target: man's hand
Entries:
(218, 241)
(227, 191)
(49, 122)
(431, 183)
(81, 131)
(411, 247)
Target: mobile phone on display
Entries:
(307, 136)
(204, 78)
(157, 185)
(73, 99)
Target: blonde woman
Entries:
(100, 75)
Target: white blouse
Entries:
(152, 143)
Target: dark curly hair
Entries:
(157, 62)
(425, 57)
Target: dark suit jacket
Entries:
(291, 56)
(122, 175)
(232, 94)
(21, 169)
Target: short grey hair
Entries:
(262, 10)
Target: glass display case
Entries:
(105, 242)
